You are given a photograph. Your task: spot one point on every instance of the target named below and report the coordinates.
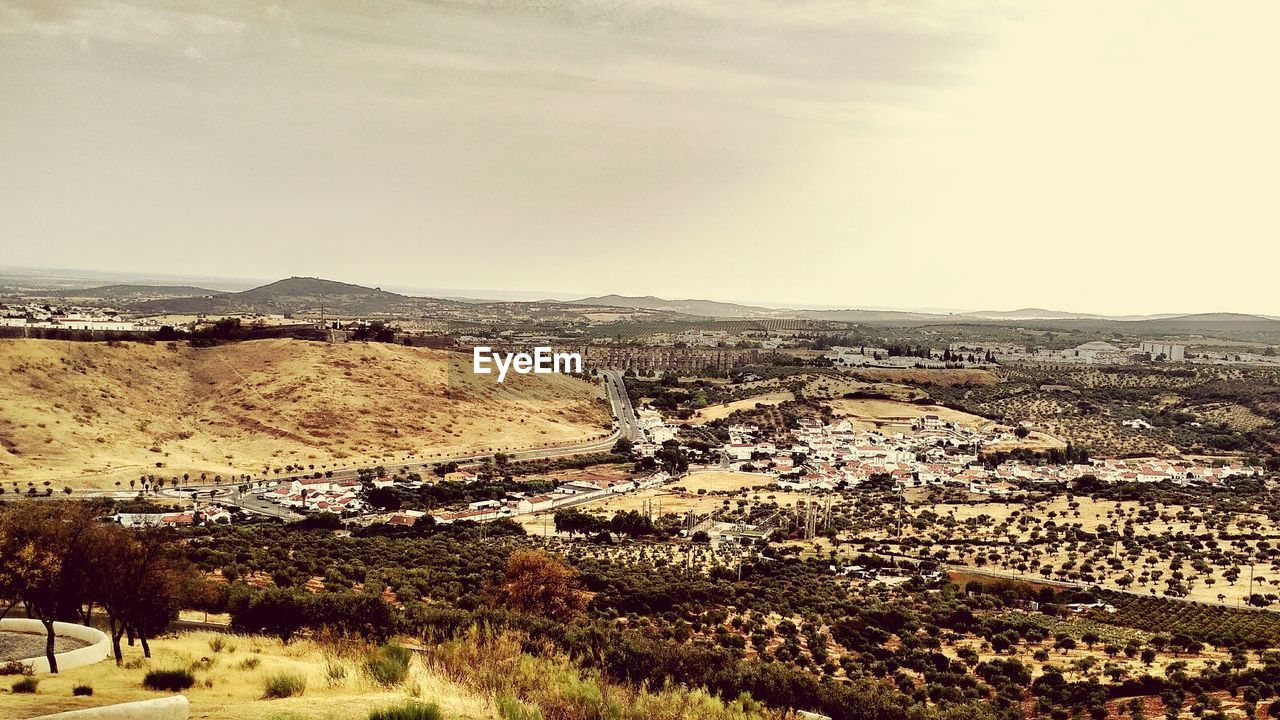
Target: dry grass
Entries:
(882, 412)
(946, 378)
(719, 412)
(91, 413)
(227, 690)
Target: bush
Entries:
(250, 663)
(168, 680)
(283, 685)
(408, 711)
(217, 644)
(335, 672)
(25, 685)
(82, 690)
(512, 708)
(388, 665)
(13, 667)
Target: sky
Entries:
(1111, 157)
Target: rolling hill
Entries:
(291, 295)
(89, 414)
(139, 292)
(701, 308)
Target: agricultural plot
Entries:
(1155, 549)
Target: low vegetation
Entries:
(283, 685)
(169, 680)
(408, 711)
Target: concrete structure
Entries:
(1165, 351)
(97, 650)
(175, 707)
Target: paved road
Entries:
(629, 424)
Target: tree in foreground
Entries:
(538, 583)
(44, 560)
(59, 561)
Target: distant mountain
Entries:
(1042, 314)
(854, 315)
(1030, 314)
(309, 287)
(291, 295)
(139, 292)
(702, 308)
(1224, 326)
(1209, 322)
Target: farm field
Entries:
(90, 414)
(877, 412)
(719, 412)
(950, 378)
(1021, 541)
(671, 499)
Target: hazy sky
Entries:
(1094, 156)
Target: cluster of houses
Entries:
(876, 357)
(1091, 353)
(581, 489)
(70, 318)
(320, 494)
(699, 337)
(656, 431)
(817, 456)
(1099, 352)
(983, 354)
(197, 515)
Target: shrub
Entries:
(512, 708)
(408, 711)
(250, 663)
(335, 671)
(25, 684)
(168, 680)
(217, 643)
(283, 685)
(388, 665)
(13, 667)
(82, 690)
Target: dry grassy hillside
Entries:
(93, 413)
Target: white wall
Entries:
(174, 707)
(98, 649)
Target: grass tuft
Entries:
(408, 711)
(282, 685)
(388, 665)
(26, 684)
(168, 680)
(511, 707)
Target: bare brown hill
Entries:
(89, 414)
